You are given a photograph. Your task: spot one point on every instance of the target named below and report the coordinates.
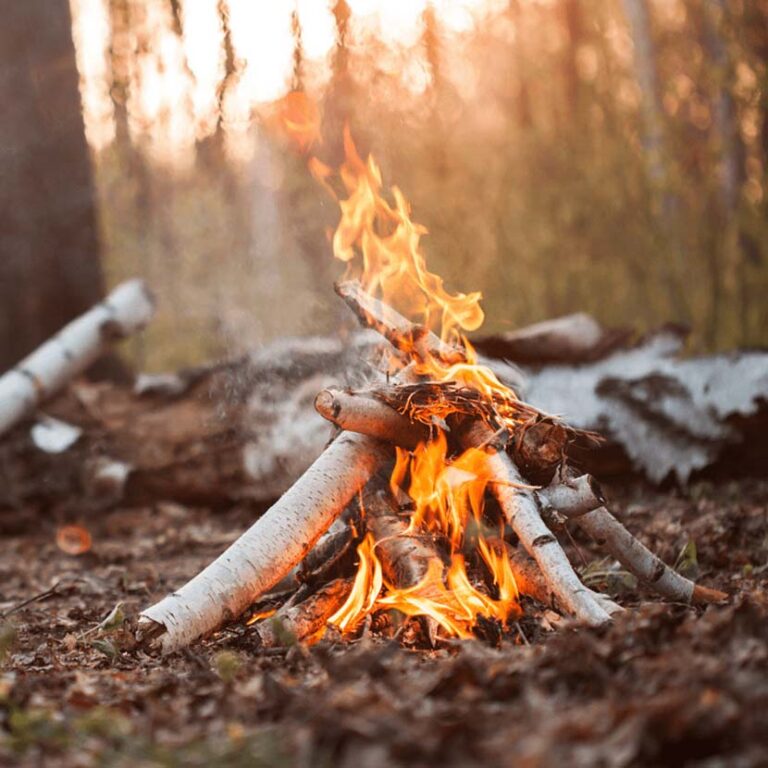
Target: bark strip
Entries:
(650, 569)
(271, 547)
(51, 366)
(359, 412)
(303, 620)
(522, 512)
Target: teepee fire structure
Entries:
(442, 494)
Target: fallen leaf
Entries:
(73, 540)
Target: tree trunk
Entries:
(49, 250)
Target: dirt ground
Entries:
(665, 685)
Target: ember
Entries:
(428, 544)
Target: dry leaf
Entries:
(73, 539)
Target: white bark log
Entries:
(271, 547)
(653, 572)
(126, 310)
(522, 512)
(572, 497)
(358, 412)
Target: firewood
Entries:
(304, 620)
(270, 548)
(326, 553)
(572, 496)
(413, 340)
(363, 413)
(405, 558)
(522, 513)
(43, 373)
(651, 570)
(581, 499)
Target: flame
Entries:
(381, 246)
(297, 117)
(447, 494)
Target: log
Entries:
(572, 496)
(522, 513)
(576, 338)
(270, 548)
(530, 581)
(651, 570)
(363, 413)
(412, 340)
(405, 558)
(305, 620)
(43, 373)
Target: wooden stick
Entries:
(530, 580)
(573, 496)
(413, 340)
(521, 511)
(43, 373)
(653, 572)
(405, 558)
(306, 619)
(270, 548)
(358, 412)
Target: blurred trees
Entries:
(607, 155)
(49, 249)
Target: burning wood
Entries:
(270, 548)
(305, 620)
(457, 433)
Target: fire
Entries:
(447, 494)
(380, 244)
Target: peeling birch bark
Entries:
(43, 373)
(358, 412)
(522, 512)
(651, 570)
(268, 550)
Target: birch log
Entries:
(273, 545)
(358, 412)
(522, 512)
(304, 620)
(405, 558)
(651, 570)
(573, 496)
(126, 310)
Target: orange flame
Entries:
(381, 246)
(296, 117)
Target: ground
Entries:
(665, 685)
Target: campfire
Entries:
(439, 503)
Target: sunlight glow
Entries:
(177, 84)
(91, 31)
(203, 47)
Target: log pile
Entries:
(455, 578)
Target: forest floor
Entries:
(664, 685)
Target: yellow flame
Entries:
(381, 246)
